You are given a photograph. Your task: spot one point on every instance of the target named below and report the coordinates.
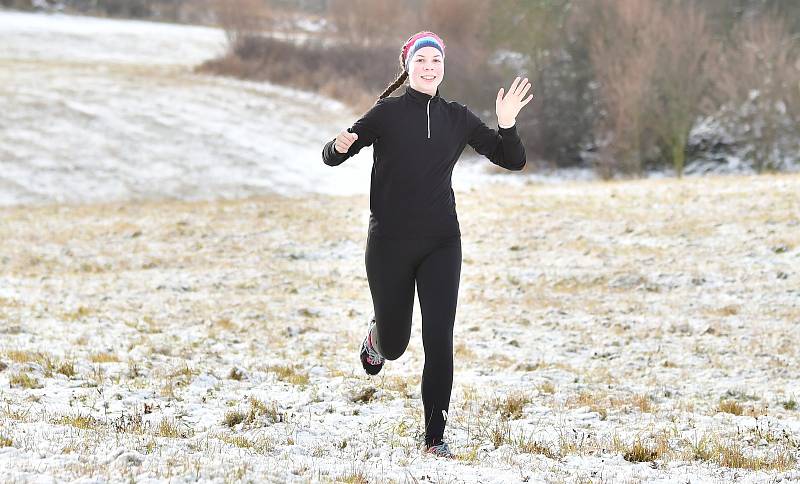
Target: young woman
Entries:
(414, 235)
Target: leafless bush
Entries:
(624, 55)
(758, 87)
(241, 18)
(680, 81)
(651, 64)
(367, 23)
(352, 74)
(18, 4)
(360, 56)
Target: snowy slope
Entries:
(97, 109)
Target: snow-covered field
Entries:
(606, 332)
(218, 340)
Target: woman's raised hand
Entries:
(508, 107)
(344, 140)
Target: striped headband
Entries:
(418, 41)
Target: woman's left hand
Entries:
(508, 107)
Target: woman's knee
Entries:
(392, 336)
(392, 353)
(391, 346)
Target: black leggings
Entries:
(393, 265)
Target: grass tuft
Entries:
(234, 418)
(23, 380)
(731, 454)
(547, 387)
(512, 405)
(289, 374)
(251, 416)
(356, 477)
(103, 357)
(731, 406)
(530, 446)
(67, 368)
(168, 428)
(639, 452)
(82, 422)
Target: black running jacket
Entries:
(417, 140)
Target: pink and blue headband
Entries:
(418, 41)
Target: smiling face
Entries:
(426, 70)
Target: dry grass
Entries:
(607, 325)
(257, 413)
(731, 406)
(167, 427)
(354, 477)
(712, 448)
(83, 422)
(639, 452)
(290, 374)
(236, 374)
(643, 403)
(530, 446)
(258, 445)
(364, 395)
(104, 357)
(511, 406)
(234, 418)
(462, 352)
(67, 368)
(547, 387)
(406, 386)
(596, 401)
(23, 380)
(21, 356)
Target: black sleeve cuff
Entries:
(505, 131)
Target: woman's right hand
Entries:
(344, 140)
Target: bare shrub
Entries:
(18, 4)
(355, 75)
(547, 42)
(650, 61)
(241, 18)
(624, 56)
(366, 23)
(680, 81)
(758, 88)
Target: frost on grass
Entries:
(644, 325)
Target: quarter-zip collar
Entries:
(423, 98)
(419, 96)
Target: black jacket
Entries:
(417, 140)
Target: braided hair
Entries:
(395, 84)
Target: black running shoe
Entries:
(371, 360)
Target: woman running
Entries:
(414, 235)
